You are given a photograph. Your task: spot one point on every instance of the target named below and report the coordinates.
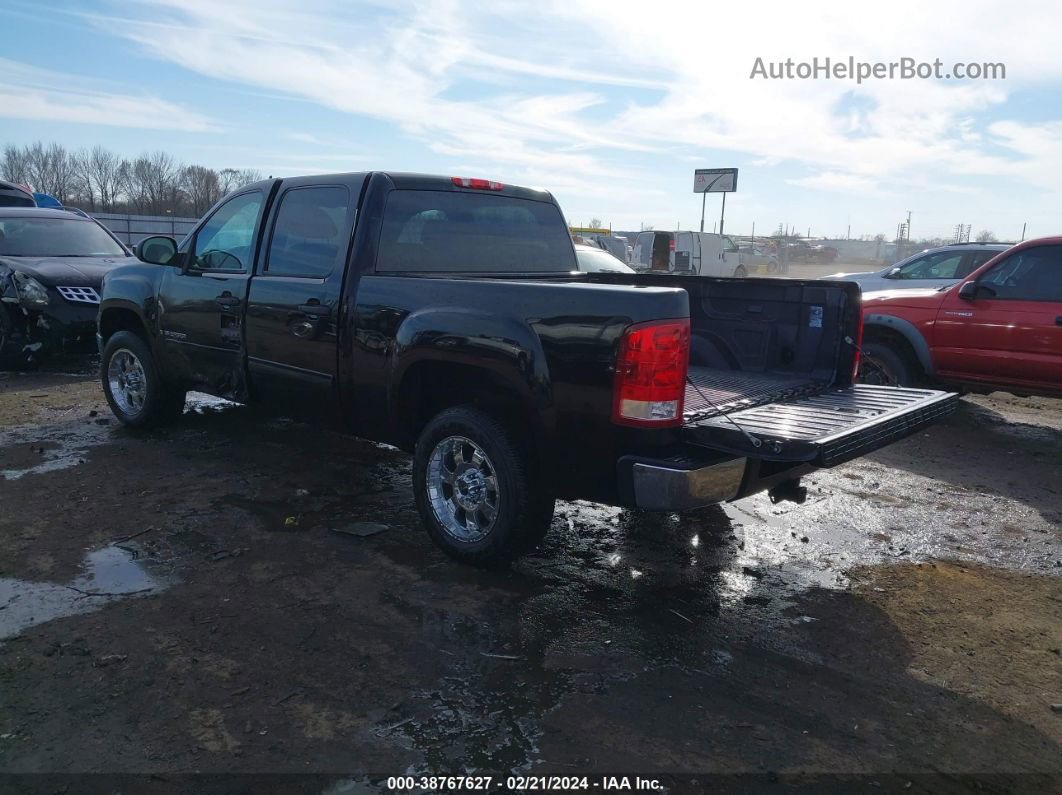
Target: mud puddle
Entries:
(35, 450)
(111, 573)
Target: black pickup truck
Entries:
(446, 316)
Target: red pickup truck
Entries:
(999, 329)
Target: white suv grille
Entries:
(79, 295)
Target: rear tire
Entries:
(137, 395)
(474, 490)
(882, 364)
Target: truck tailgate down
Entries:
(827, 428)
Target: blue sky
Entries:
(610, 107)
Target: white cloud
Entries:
(575, 88)
(28, 92)
(832, 180)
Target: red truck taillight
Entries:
(651, 369)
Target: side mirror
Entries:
(157, 250)
(893, 274)
(968, 292)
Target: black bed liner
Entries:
(827, 428)
(710, 391)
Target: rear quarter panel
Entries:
(551, 343)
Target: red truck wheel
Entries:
(883, 365)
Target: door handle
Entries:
(315, 309)
(227, 300)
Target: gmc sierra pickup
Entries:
(446, 316)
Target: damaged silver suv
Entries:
(52, 264)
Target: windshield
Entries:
(591, 260)
(55, 237)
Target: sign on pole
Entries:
(715, 180)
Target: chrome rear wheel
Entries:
(462, 488)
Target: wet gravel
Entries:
(906, 620)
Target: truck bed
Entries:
(712, 391)
(759, 341)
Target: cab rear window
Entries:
(450, 231)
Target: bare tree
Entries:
(154, 183)
(14, 166)
(60, 177)
(201, 187)
(595, 223)
(986, 236)
(48, 169)
(101, 177)
(100, 180)
(232, 178)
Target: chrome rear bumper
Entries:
(659, 488)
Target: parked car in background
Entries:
(46, 200)
(592, 259)
(756, 260)
(696, 253)
(933, 267)
(999, 329)
(13, 195)
(52, 264)
(444, 315)
(616, 246)
(804, 251)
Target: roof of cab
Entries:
(413, 181)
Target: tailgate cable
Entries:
(753, 440)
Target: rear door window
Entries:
(310, 232)
(450, 231)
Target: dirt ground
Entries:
(237, 594)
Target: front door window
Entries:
(225, 242)
(1034, 274)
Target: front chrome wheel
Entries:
(127, 381)
(462, 487)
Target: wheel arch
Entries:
(429, 386)
(890, 328)
(117, 317)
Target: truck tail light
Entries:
(476, 183)
(671, 244)
(650, 383)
